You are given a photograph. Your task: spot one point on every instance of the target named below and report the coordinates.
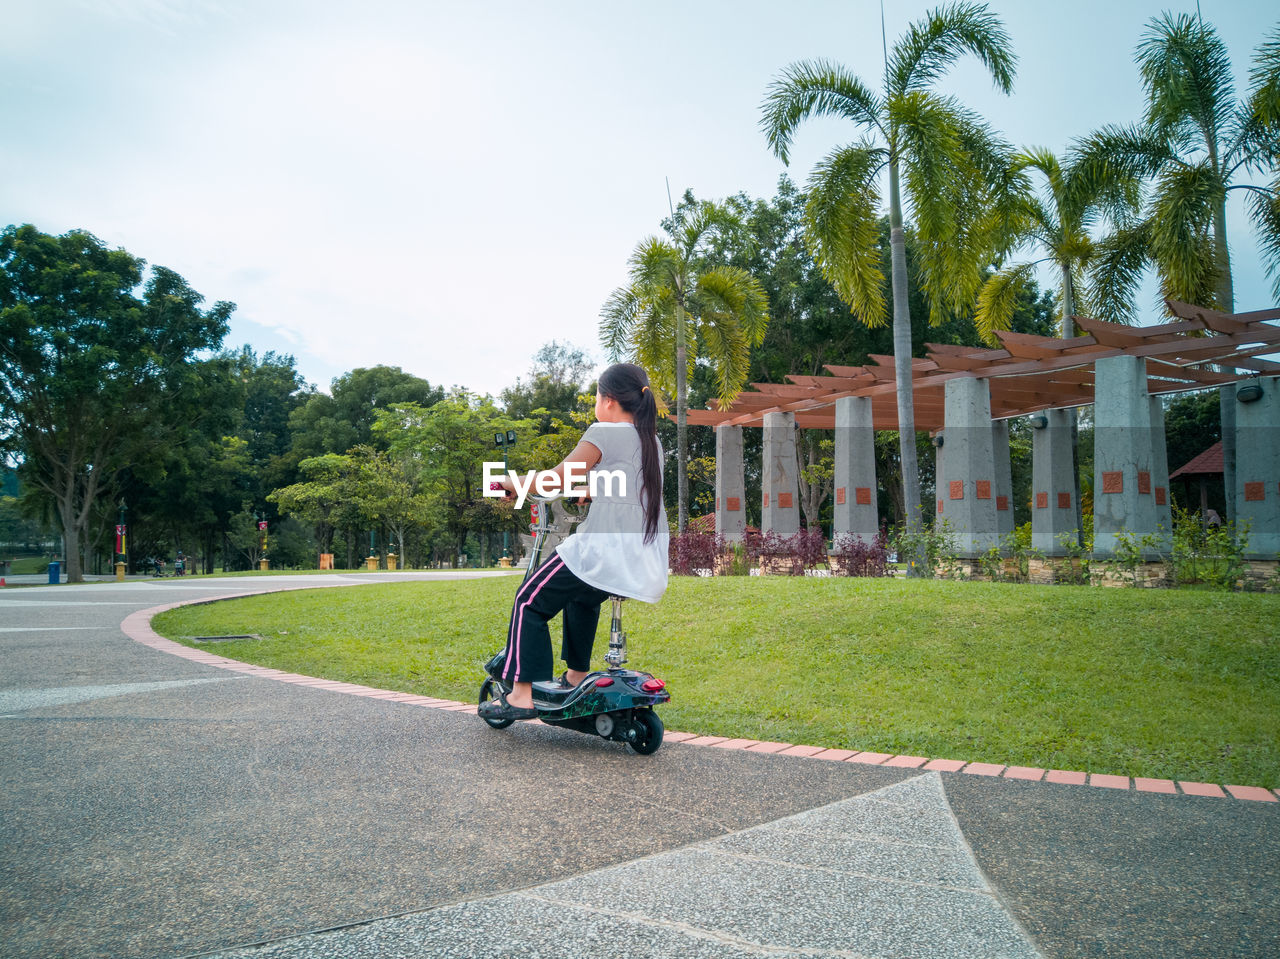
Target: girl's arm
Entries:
(584, 456)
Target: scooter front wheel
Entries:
(648, 730)
(488, 691)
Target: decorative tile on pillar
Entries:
(1002, 503)
(862, 495)
(957, 489)
(1042, 500)
(840, 496)
(983, 490)
(766, 501)
(1255, 492)
(1162, 496)
(1144, 483)
(784, 501)
(939, 507)
(1064, 501)
(1113, 482)
(735, 504)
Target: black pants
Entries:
(550, 590)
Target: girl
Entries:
(620, 550)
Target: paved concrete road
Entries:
(152, 806)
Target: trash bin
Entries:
(55, 573)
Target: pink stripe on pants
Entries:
(512, 670)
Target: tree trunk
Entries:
(682, 431)
(70, 537)
(1224, 291)
(812, 493)
(902, 360)
(1068, 303)
(1068, 332)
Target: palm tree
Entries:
(935, 151)
(674, 306)
(1196, 141)
(1056, 221)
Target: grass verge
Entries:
(1159, 683)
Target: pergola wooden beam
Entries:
(1027, 373)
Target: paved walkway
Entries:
(155, 805)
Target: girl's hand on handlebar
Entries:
(508, 489)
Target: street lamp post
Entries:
(122, 542)
(263, 562)
(503, 441)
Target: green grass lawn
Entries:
(1138, 682)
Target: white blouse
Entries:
(608, 550)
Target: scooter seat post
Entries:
(617, 654)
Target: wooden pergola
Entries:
(1201, 348)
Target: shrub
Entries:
(691, 551)
(1212, 557)
(928, 551)
(856, 557)
(790, 554)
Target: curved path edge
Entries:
(137, 626)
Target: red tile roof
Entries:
(1210, 461)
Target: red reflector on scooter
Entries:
(604, 681)
(652, 685)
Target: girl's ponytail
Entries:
(629, 385)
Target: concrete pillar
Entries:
(939, 441)
(1160, 468)
(855, 510)
(1257, 490)
(1123, 457)
(1004, 478)
(966, 492)
(731, 486)
(780, 476)
(1227, 408)
(1053, 511)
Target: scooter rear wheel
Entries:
(490, 691)
(648, 732)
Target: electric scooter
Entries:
(613, 703)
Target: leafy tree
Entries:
(245, 537)
(326, 496)
(672, 309)
(291, 544)
(387, 494)
(344, 418)
(269, 390)
(1196, 142)
(444, 447)
(555, 386)
(1192, 423)
(93, 377)
(945, 160)
(238, 452)
(1055, 222)
(180, 498)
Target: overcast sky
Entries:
(445, 187)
